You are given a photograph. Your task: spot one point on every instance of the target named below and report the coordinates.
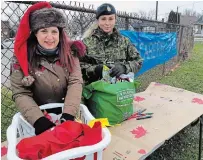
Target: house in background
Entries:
(188, 20)
(199, 26)
(149, 27)
(196, 24)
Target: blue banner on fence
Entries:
(155, 48)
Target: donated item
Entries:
(129, 77)
(53, 117)
(143, 117)
(112, 101)
(105, 74)
(104, 122)
(122, 78)
(65, 136)
(140, 115)
(21, 127)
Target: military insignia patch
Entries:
(108, 9)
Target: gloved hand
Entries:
(66, 117)
(117, 70)
(42, 124)
(98, 71)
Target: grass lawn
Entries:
(189, 76)
(7, 111)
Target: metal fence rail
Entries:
(79, 17)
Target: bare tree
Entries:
(151, 14)
(147, 15)
(191, 12)
(134, 14)
(79, 23)
(16, 12)
(142, 14)
(11, 15)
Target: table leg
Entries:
(200, 137)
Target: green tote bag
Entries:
(112, 101)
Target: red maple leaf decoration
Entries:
(197, 100)
(138, 99)
(3, 151)
(142, 151)
(139, 132)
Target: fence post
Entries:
(180, 41)
(127, 23)
(164, 64)
(200, 137)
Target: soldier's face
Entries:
(107, 22)
(48, 38)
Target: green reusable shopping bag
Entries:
(112, 101)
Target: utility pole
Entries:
(193, 7)
(156, 9)
(177, 14)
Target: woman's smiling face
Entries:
(48, 38)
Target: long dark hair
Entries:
(65, 56)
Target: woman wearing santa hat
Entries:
(45, 67)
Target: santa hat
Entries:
(38, 16)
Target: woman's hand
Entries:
(66, 117)
(42, 124)
(98, 70)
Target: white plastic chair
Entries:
(21, 126)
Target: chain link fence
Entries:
(79, 18)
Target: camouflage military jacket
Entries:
(104, 49)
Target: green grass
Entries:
(189, 76)
(7, 111)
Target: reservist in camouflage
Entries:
(105, 45)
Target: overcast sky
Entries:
(164, 7)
